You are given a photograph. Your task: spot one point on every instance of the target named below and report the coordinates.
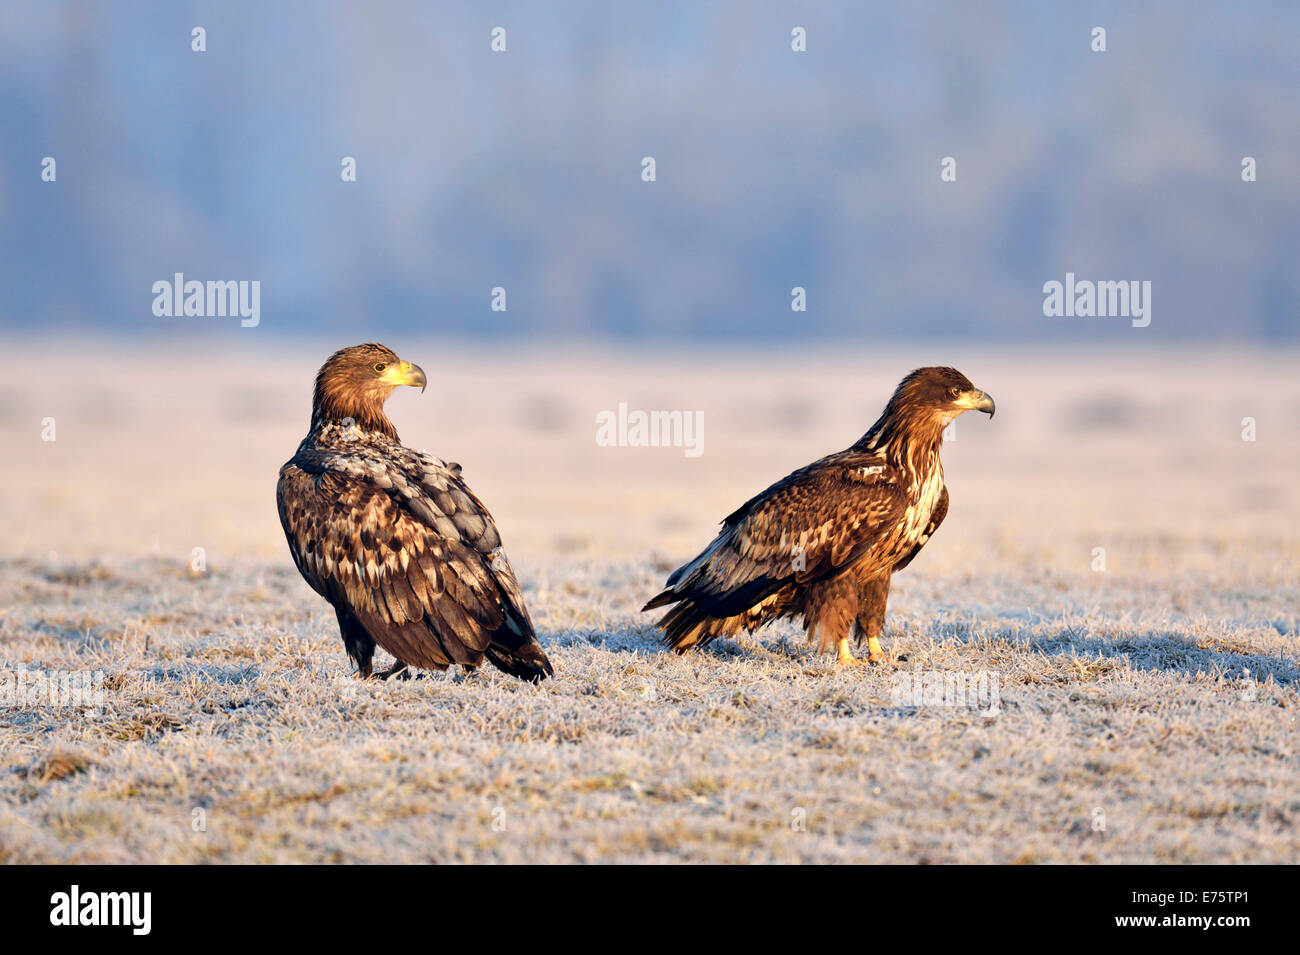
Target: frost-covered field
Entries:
(1144, 712)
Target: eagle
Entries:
(405, 553)
(823, 542)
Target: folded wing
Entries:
(813, 524)
(415, 557)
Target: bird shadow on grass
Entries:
(632, 640)
(1150, 650)
(1147, 650)
(1064, 646)
(1156, 651)
(644, 640)
(207, 672)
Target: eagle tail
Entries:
(514, 649)
(526, 661)
(687, 626)
(663, 600)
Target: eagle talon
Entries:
(845, 658)
(876, 653)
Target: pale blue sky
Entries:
(775, 168)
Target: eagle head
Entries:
(938, 394)
(354, 383)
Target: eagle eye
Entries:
(954, 391)
(380, 366)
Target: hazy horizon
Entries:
(775, 169)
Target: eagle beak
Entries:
(977, 401)
(404, 373)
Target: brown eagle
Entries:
(823, 542)
(397, 543)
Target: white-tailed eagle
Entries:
(393, 538)
(822, 543)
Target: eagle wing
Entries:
(410, 551)
(812, 525)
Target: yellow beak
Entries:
(404, 373)
(977, 401)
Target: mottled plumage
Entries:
(393, 538)
(823, 542)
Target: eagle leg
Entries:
(873, 595)
(828, 615)
(358, 643)
(398, 670)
